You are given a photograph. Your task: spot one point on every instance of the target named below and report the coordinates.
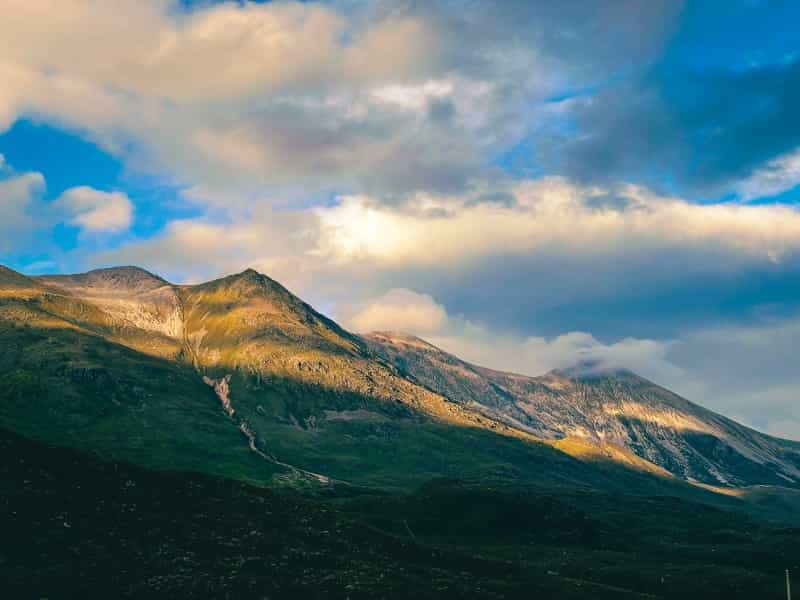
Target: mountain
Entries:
(136, 414)
(240, 378)
(598, 406)
(237, 377)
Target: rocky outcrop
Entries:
(130, 296)
(222, 390)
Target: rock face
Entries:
(618, 407)
(129, 295)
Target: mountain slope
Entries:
(252, 383)
(122, 361)
(129, 295)
(620, 408)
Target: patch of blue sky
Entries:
(735, 35)
(66, 160)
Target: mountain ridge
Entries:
(305, 392)
(620, 407)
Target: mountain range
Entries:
(239, 379)
(305, 394)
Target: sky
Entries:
(525, 184)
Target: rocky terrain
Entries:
(598, 406)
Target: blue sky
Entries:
(521, 182)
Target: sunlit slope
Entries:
(315, 396)
(583, 408)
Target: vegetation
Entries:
(76, 526)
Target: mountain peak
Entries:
(251, 305)
(248, 283)
(108, 281)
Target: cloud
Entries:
(140, 84)
(96, 211)
(549, 213)
(20, 200)
(538, 355)
(745, 372)
(381, 97)
(555, 255)
(152, 49)
(704, 130)
(399, 310)
(777, 176)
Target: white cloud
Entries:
(569, 243)
(399, 310)
(257, 91)
(778, 175)
(483, 345)
(20, 201)
(152, 48)
(96, 211)
(548, 213)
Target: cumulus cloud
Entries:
(20, 197)
(96, 211)
(205, 92)
(399, 310)
(151, 48)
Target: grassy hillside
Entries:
(78, 527)
(661, 546)
(76, 389)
